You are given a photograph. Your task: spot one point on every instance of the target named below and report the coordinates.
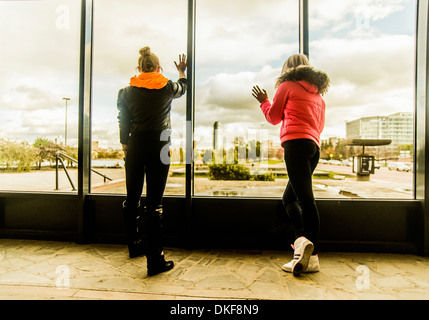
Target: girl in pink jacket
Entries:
(299, 106)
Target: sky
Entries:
(366, 47)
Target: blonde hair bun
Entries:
(144, 52)
(148, 61)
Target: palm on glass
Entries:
(181, 66)
(260, 95)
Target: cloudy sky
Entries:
(366, 47)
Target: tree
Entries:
(19, 155)
(327, 150)
(6, 154)
(341, 151)
(46, 150)
(72, 152)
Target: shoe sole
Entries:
(289, 270)
(301, 265)
(286, 269)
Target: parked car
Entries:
(399, 166)
(404, 167)
(335, 162)
(347, 163)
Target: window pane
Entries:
(121, 28)
(39, 63)
(368, 50)
(238, 45)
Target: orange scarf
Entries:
(149, 80)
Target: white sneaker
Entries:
(313, 265)
(303, 250)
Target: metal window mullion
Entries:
(85, 96)
(190, 98)
(190, 108)
(304, 47)
(421, 175)
(421, 99)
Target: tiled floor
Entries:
(59, 270)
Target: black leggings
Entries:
(301, 157)
(144, 159)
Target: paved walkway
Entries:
(62, 270)
(323, 188)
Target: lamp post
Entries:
(65, 135)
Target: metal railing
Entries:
(59, 159)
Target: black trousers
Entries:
(301, 157)
(144, 159)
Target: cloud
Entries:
(227, 97)
(30, 98)
(30, 124)
(238, 35)
(238, 44)
(39, 66)
(332, 16)
(219, 46)
(366, 62)
(117, 41)
(371, 76)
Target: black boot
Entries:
(133, 231)
(155, 255)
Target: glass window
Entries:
(368, 50)
(239, 44)
(39, 88)
(121, 28)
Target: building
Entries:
(399, 127)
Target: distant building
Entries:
(217, 135)
(398, 127)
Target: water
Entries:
(107, 163)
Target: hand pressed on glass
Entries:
(181, 66)
(260, 95)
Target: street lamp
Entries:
(65, 135)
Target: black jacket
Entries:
(142, 109)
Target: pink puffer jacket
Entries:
(298, 104)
